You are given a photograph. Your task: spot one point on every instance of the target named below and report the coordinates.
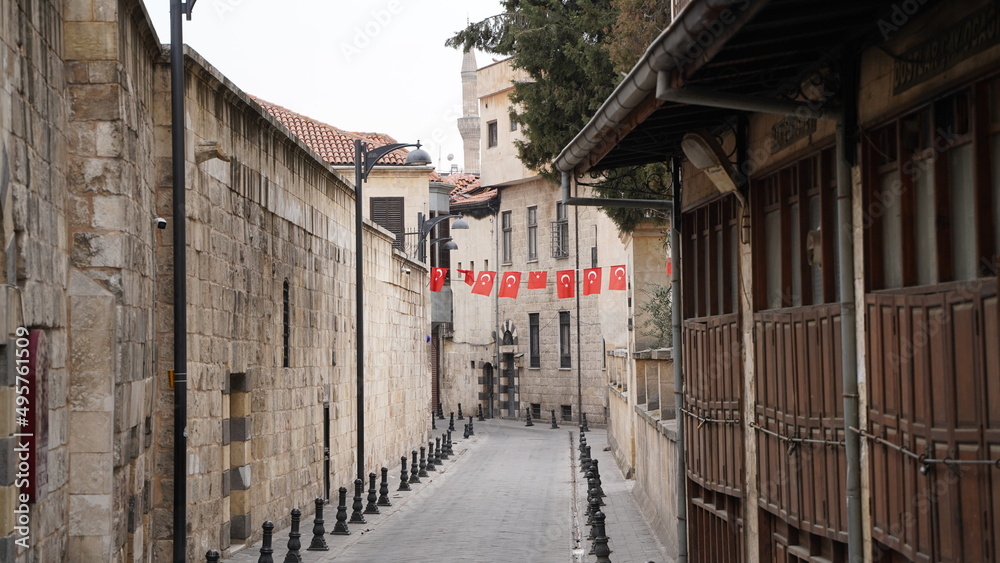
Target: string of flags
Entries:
(510, 282)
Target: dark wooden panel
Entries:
(715, 526)
(799, 395)
(714, 390)
(934, 353)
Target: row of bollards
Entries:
(413, 468)
(595, 493)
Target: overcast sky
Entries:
(359, 65)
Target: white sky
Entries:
(361, 65)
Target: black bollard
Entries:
(340, 528)
(481, 413)
(597, 476)
(294, 543)
(212, 556)
(404, 483)
(430, 457)
(318, 542)
(440, 412)
(465, 431)
(423, 463)
(460, 411)
(437, 451)
(414, 471)
(448, 448)
(358, 506)
(472, 431)
(593, 504)
(433, 421)
(554, 425)
(529, 423)
(372, 506)
(451, 422)
(584, 428)
(445, 454)
(383, 489)
(265, 544)
(592, 483)
(585, 461)
(601, 549)
(583, 443)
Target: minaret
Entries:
(468, 124)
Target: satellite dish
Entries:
(451, 157)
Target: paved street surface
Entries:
(510, 494)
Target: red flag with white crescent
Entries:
(484, 283)
(509, 284)
(470, 276)
(566, 283)
(437, 278)
(592, 281)
(617, 280)
(538, 280)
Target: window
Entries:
(536, 411)
(286, 326)
(565, 360)
(560, 232)
(710, 239)
(930, 175)
(532, 233)
(797, 208)
(513, 123)
(491, 134)
(439, 257)
(388, 212)
(534, 345)
(567, 413)
(507, 233)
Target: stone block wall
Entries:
(34, 254)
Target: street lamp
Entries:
(424, 227)
(364, 161)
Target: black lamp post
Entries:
(424, 227)
(364, 161)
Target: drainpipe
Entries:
(678, 347)
(848, 328)
(177, 9)
(579, 343)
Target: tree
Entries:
(659, 322)
(567, 48)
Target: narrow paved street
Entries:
(512, 493)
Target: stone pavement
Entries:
(510, 493)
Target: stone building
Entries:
(548, 353)
(86, 285)
(838, 228)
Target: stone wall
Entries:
(85, 167)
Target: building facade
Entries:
(87, 303)
(838, 234)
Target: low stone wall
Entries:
(656, 475)
(620, 433)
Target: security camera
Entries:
(406, 270)
(161, 223)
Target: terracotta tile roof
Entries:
(467, 189)
(335, 145)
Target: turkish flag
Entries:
(566, 284)
(670, 266)
(592, 281)
(538, 280)
(617, 280)
(509, 284)
(484, 283)
(437, 278)
(470, 276)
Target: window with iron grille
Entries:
(534, 345)
(536, 410)
(532, 233)
(565, 358)
(508, 236)
(560, 233)
(388, 212)
(567, 413)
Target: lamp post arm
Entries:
(373, 156)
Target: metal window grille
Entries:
(560, 238)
